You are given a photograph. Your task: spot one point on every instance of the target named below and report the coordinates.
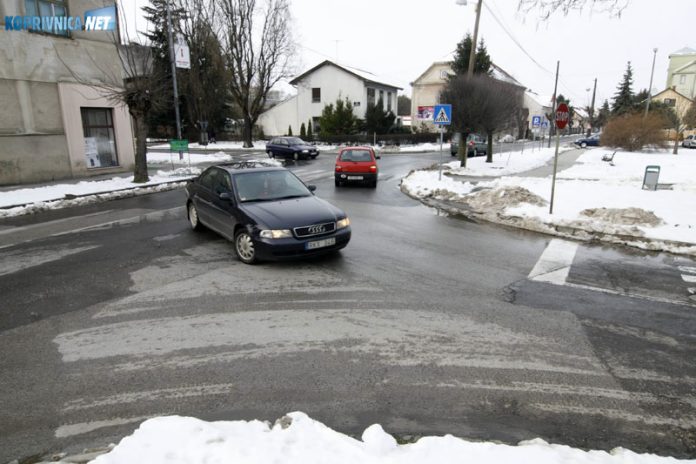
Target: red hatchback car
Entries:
(356, 164)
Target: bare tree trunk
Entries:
(676, 145)
(489, 150)
(463, 151)
(140, 173)
(247, 133)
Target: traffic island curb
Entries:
(568, 231)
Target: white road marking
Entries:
(554, 264)
(85, 427)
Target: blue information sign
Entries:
(536, 121)
(442, 115)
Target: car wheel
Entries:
(313, 156)
(373, 184)
(295, 156)
(194, 221)
(244, 247)
(337, 183)
(270, 154)
(583, 145)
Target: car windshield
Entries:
(268, 186)
(356, 155)
(295, 141)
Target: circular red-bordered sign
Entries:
(562, 116)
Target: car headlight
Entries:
(343, 223)
(278, 233)
(305, 151)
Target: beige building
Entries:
(681, 74)
(52, 125)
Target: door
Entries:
(203, 199)
(223, 210)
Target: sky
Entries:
(399, 39)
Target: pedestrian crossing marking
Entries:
(442, 116)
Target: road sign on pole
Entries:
(443, 115)
(562, 116)
(536, 121)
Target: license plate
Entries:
(355, 177)
(320, 243)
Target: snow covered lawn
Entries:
(594, 199)
(297, 438)
(167, 159)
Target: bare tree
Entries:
(481, 103)
(546, 8)
(135, 83)
(258, 57)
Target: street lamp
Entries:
(472, 53)
(647, 104)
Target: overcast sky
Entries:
(399, 39)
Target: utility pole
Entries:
(172, 60)
(472, 53)
(594, 92)
(553, 105)
(647, 104)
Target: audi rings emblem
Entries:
(317, 229)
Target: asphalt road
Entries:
(427, 324)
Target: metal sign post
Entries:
(562, 116)
(442, 117)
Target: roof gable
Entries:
(683, 68)
(365, 76)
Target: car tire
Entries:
(313, 156)
(194, 220)
(373, 184)
(270, 154)
(244, 247)
(296, 156)
(337, 183)
(583, 145)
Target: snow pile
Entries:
(506, 163)
(425, 147)
(189, 158)
(594, 199)
(297, 438)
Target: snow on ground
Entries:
(296, 438)
(593, 199)
(168, 159)
(425, 147)
(505, 163)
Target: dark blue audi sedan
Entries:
(267, 212)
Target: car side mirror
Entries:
(378, 157)
(226, 196)
(312, 188)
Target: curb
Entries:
(563, 231)
(120, 193)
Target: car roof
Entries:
(247, 166)
(356, 147)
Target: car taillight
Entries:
(373, 168)
(471, 144)
(338, 168)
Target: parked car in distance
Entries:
(266, 211)
(591, 141)
(291, 147)
(476, 145)
(356, 164)
(689, 141)
(507, 138)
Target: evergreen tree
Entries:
(289, 130)
(303, 132)
(310, 135)
(403, 105)
(624, 98)
(156, 14)
(377, 120)
(482, 61)
(338, 118)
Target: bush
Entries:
(632, 132)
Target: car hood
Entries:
(304, 147)
(294, 212)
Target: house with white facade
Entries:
(681, 74)
(427, 87)
(323, 85)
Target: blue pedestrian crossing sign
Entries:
(442, 115)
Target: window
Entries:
(670, 101)
(682, 79)
(356, 104)
(370, 96)
(389, 101)
(443, 74)
(316, 95)
(208, 178)
(48, 8)
(381, 95)
(100, 141)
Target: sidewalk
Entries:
(594, 200)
